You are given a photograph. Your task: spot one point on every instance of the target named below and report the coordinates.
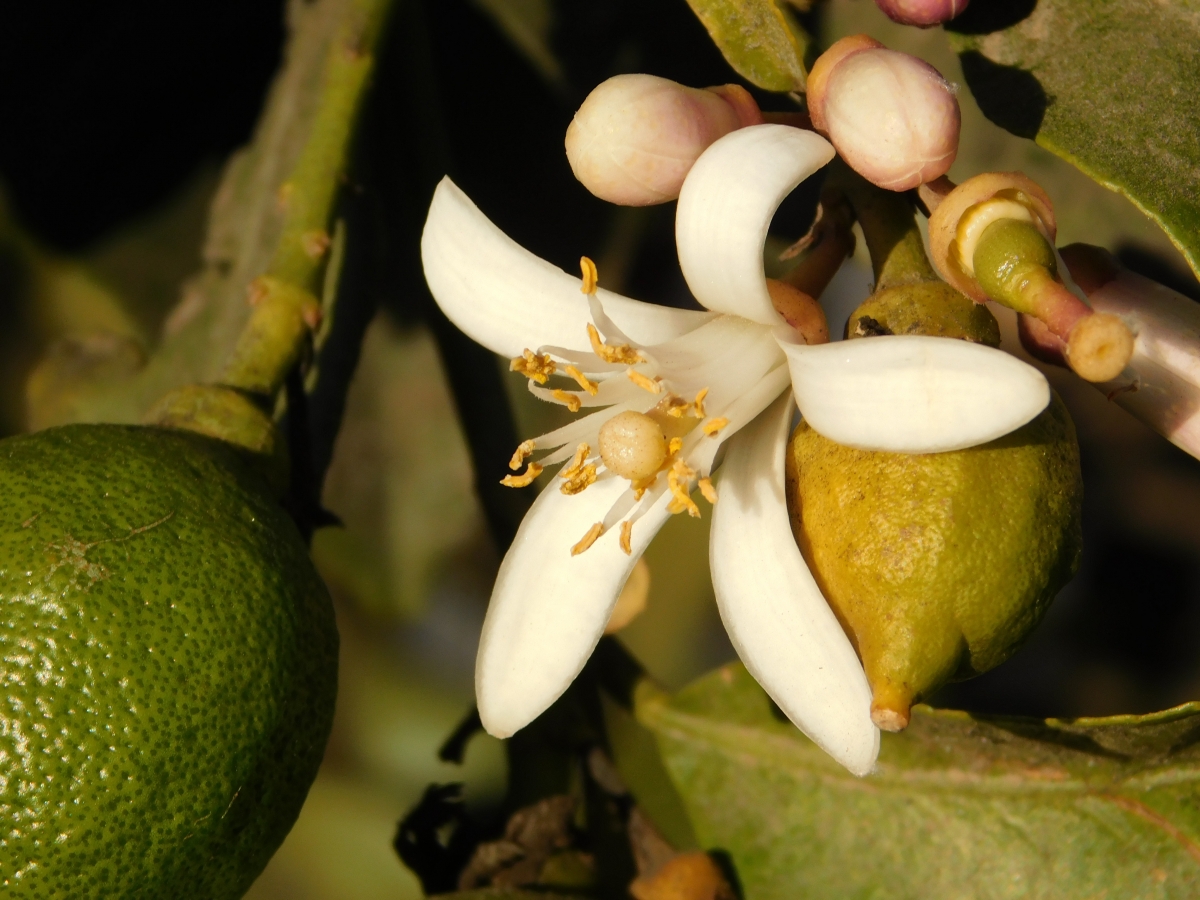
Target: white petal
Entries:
(549, 608)
(507, 299)
(726, 206)
(913, 394)
(780, 624)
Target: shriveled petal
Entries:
(507, 299)
(549, 608)
(781, 626)
(726, 206)
(913, 394)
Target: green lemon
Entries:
(168, 657)
(938, 565)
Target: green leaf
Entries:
(961, 805)
(759, 38)
(1108, 85)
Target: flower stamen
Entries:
(678, 481)
(712, 426)
(584, 382)
(618, 354)
(522, 453)
(588, 539)
(707, 490)
(675, 406)
(571, 401)
(626, 534)
(644, 381)
(591, 277)
(698, 404)
(577, 482)
(534, 366)
(520, 481)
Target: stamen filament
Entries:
(521, 454)
(588, 539)
(643, 381)
(520, 481)
(584, 382)
(534, 366)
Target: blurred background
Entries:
(117, 120)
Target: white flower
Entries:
(725, 373)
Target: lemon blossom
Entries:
(664, 390)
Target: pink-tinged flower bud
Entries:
(891, 116)
(922, 13)
(636, 136)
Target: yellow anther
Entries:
(678, 480)
(675, 406)
(626, 533)
(584, 382)
(588, 539)
(572, 401)
(712, 426)
(698, 404)
(674, 446)
(618, 354)
(520, 481)
(707, 490)
(579, 481)
(581, 454)
(534, 366)
(644, 382)
(521, 454)
(590, 276)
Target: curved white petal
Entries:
(774, 612)
(913, 394)
(725, 208)
(504, 297)
(549, 608)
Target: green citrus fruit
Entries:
(168, 657)
(938, 565)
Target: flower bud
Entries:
(891, 116)
(922, 13)
(635, 137)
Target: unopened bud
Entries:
(635, 137)
(922, 13)
(891, 116)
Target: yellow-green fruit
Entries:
(927, 307)
(168, 656)
(938, 565)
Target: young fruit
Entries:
(938, 565)
(169, 659)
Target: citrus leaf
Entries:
(1108, 85)
(960, 806)
(759, 38)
